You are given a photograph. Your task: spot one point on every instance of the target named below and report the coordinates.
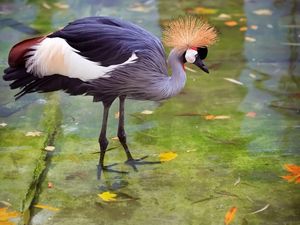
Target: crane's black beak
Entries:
(201, 65)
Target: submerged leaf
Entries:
(230, 215)
(263, 12)
(61, 5)
(40, 206)
(251, 114)
(250, 39)
(233, 81)
(33, 134)
(262, 209)
(167, 156)
(107, 196)
(3, 124)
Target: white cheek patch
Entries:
(190, 55)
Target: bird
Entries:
(109, 58)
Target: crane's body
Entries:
(108, 58)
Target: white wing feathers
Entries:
(56, 56)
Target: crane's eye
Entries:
(202, 52)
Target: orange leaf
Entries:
(46, 207)
(292, 168)
(230, 215)
(5, 215)
(297, 181)
(209, 117)
(251, 114)
(231, 23)
(289, 178)
(202, 10)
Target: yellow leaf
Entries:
(203, 10)
(3, 124)
(231, 23)
(230, 215)
(250, 39)
(263, 12)
(213, 117)
(33, 134)
(117, 115)
(108, 196)
(61, 5)
(40, 206)
(243, 28)
(254, 27)
(5, 215)
(147, 112)
(49, 148)
(167, 156)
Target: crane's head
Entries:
(191, 37)
(196, 56)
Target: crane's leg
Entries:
(122, 137)
(103, 142)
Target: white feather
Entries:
(190, 55)
(56, 56)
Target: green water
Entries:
(235, 162)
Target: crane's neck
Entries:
(178, 77)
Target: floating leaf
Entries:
(167, 156)
(250, 39)
(107, 196)
(138, 7)
(3, 124)
(243, 28)
(147, 112)
(233, 81)
(294, 175)
(49, 148)
(260, 210)
(243, 19)
(203, 10)
(40, 206)
(252, 75)
(251, 114)
(61, 5)
(263, 12)
(5, 216)
(231, 23)
(254, 27)
(115, 138)
(33, 134)
(46, 5)
(50, 185)
(190, 69)
(223, 16)
(214, 117)
(230, 215)
(237, 181)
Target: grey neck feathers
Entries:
(178, 77)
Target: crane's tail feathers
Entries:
(29, 83)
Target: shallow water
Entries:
(234, 162)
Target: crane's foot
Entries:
(134, 162)
(101, 168)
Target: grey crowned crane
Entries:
(108, 58)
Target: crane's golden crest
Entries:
(189, 32)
